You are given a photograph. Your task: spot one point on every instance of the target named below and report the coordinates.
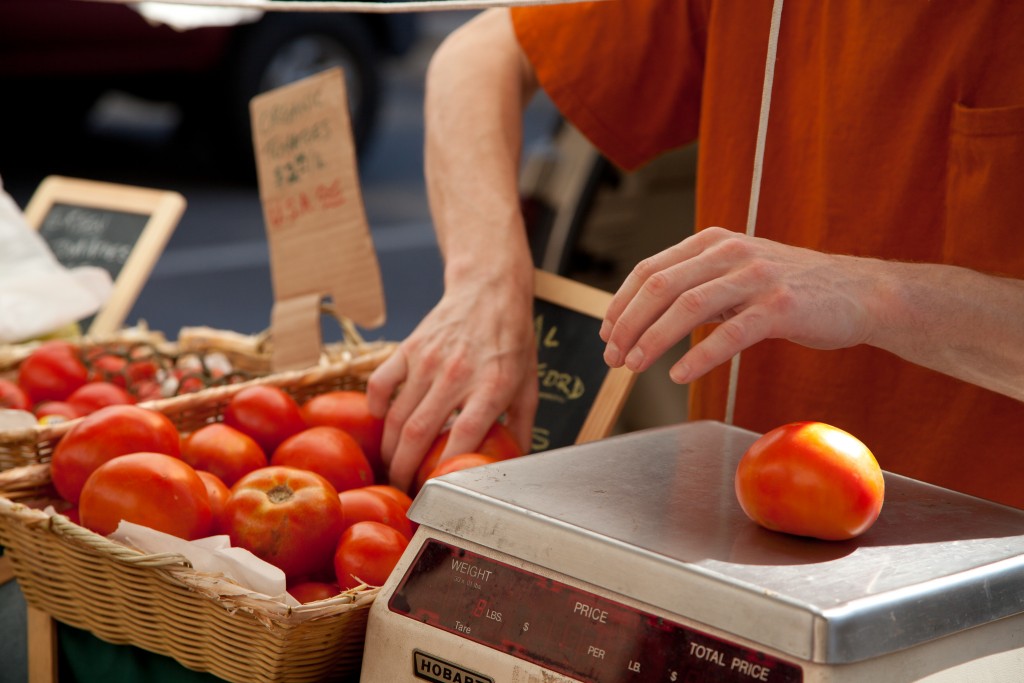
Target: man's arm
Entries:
(474, 352)
(957, 321)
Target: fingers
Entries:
(665, 309)
(724, 342)
(384, 382)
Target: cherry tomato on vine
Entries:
(810, 479)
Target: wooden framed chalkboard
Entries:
(120, 228)
(580, 396)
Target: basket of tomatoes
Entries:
(55, 382)
(285, 467)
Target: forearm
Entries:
(957, 321)
(478, 84)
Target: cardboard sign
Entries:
(580, 396)
(120, 228)
(320, 243)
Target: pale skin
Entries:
(474, 354)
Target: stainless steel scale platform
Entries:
(629, 559)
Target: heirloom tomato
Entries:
(152, 489)
(498, 443)
(224, 451)
(288, 517)
(105, 434)
(218, 493)
(52, 371)
(362, 504)
(329, 452)
(349, 411)
(13, 397)
(810, 479)
(368, 553)
(463, 461)
(266, 413)
(92, 396)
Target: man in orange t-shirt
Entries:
(882, 291)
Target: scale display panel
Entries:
(565, 629)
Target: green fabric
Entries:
(84, 658)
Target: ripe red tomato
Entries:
(329, 452)
(349, 411)
(106, 434)
(498, 443)
(393, 492)
(288, 517)
(52, 371)
(224, 451)
(368, 553)
(463, 461)
(311, 591)
(811, 479)
(13, 397)
(219, 493)
(56, 411)
(266, 413)
(152, 489)
(92, 396)
(360, 505)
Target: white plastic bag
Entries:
(37, 294)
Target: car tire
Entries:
(284, 47)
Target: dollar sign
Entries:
(673, 676)
(526, 626)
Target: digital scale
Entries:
(629, 560)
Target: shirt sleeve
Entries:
(626, 73)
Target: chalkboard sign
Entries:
(580, 396)
(119, 228)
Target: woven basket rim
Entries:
(178, 569)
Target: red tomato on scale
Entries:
(105, 434)
(810, 479)
(266, 413)
(288, 517)
(152, 489)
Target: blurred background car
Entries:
(59, 59)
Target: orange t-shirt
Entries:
(896, 131)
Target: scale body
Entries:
(629, 560)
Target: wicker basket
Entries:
(158, 602)
(249, 356)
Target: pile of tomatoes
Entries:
(61, 381)
(301, 486)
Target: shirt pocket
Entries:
(985, 189)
